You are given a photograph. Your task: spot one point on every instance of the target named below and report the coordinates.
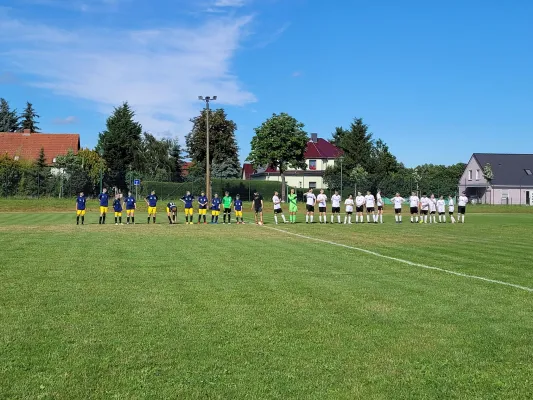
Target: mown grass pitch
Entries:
(235, 312)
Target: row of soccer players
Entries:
(420, 208)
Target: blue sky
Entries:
(436, 82)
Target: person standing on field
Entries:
(293, 207)
(237, 206)
(398, 201)
(277, 208)
(322, 199)
(227, 201)
(117, 207)
(310, 202)
(336, 207)
(188, 207)
(80, 208)
(413, 206)
(348, 204)
(151, 202)
(359, 205)
(432, 209)
(257, 208)
(370, 210)
(130, 204)
(451, 208)
(202, 208)
(461, 208)
(424, 209)
(104, 204)
(441, 209)
(379, 202)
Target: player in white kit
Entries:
(461, 208)
(322, 199)
(424, 209)
(441, 209)
(432, 209)
(277, 208)
(451, 208)
(398, 201)
(310, 201)
(348, 205)
(370, 202)
(336, 207)
(379, 202)
(359, 204)
(413, 206)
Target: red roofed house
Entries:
(247, 171)
(27, 146)
(319, 154)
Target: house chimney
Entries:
(26, 132)
(314, 137)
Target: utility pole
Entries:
(207, 99)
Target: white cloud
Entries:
(229, 3)
(65, 121)
(160, 72)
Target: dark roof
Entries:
(299, 172)
(185, 168)
(322, 149)
(27, 146)
(508, 169)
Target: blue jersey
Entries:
(80, 203)
(215, 203)
(117, 206)
(188, 199)
(202, 200)
(152, 200)
(238, 205)
(104, 199)
(130, 203)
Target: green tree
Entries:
(176, 161)
(73, 179)
(120, 144)
(155, 157)
(279, 143)
(225, 170)
(223, 147)
(92, 164)
(359, 177)
(356, 143)
(29, 119)
(9, 120)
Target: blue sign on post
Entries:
(137, 182)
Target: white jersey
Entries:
(310, 199)
(398, 201)
(359, 201)
(336, 201)
(322, 198)
(349, 205)
(369, 198)
(432, 205)
(424, 203)
(379, 200)
(441, 205)
(413, 201)
(463, 201)
(277, 202)
(451, 205)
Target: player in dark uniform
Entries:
(202, 207)
(172, 211)
(188, 199)
(257, 208)
(237, 205)
(215, 209)
(117, 207)
(80, 208)
(151, 202)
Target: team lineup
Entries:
(421, 210)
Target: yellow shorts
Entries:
(130, 212)
(238, 213)
(202, 211)
(189, 211)
(80, 212)
(152, 210)
(215, 213)
(118, 213)
(103, 210)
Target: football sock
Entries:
(276, 219)
(349, 219)
(149, 220)
(312, 217)
(154, 219)
(216, 219)
(212, 218)
(82, 219)
(331, 218)
(345, 219)
(307, 218)
(119, 220)
(132, 220)
(103, 219)
(339, 218)
(412, 219)
(283, 218)
(116, 220)
(169, 219)
(100, 220)
(205, 218)
(224, 217)
(77, 220)
(381, 218)
(229, 218)
(128, 220)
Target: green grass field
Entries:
(249, 312)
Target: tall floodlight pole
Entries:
(207, 99)
(341, 159)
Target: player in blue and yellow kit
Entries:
(188, 199)
(80, 208)
(130, 204)
(117, 207)
(215, 209)
(151, 202)
(172, 212)
(237, 205)
(104, 204)
(202, 207)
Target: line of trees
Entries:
(12, 121)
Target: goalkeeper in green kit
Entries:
(227, 201)
(293, 208)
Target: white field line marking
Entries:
(373, 253)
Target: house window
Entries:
(528, 171)
(16, 158)
(312, 185)
(312, 165)
(469, 174)
(54, 160)
(477, 174)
